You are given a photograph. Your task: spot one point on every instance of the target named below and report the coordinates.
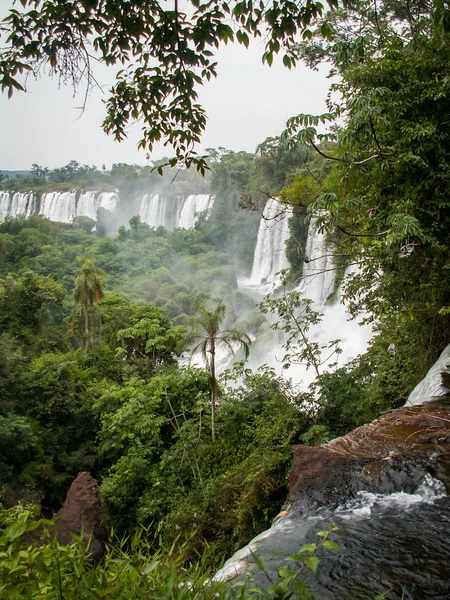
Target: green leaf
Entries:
(331, 545)
(312, 562)
(308, 548)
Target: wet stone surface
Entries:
(385, 486)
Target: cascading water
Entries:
(436, 384)
(86, 205)
(270, 251)
(317, 284)
(385, 486)
(397, 542)
(65, 207)
(158, 210)
(59, 207)
(56, 206)
(194, 204)
(89, 202)
(18, 203)
(155, 209)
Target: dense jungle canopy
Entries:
(91, 382)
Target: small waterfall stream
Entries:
(158, 210)
(194, 204)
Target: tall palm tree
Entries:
(87, 291)
(207, 338)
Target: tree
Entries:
(28, 304)
(207, 337)
(38, 171)
(385, 201)
(165, 54)
(88, 289)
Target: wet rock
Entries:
(82, 514)
(384, 485)
(392, 453)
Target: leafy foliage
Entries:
(165, 55)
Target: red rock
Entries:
(82, 513)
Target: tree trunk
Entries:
(213, 393)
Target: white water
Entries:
(317, 284)
(89, 203)
(57, 206)
(63, 207)
(361, 507)
(160, 211)
(193, 205)
(156, 210)
(433, 385)
(16, 204)
(270, 250)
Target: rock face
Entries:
(386, 486)
(82, 513)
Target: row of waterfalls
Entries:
(61, 207)
(154, 209)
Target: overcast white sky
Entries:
(245, 104)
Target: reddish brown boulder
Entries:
(82, 513)
(383, 456)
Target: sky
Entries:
(245, 104)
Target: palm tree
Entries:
(208, 338)
(88, 289)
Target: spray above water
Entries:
(318, 286)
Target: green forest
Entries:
(192, 464)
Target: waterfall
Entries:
(59, 206)
(317, 284)
(19, 203)
(436, 383)
(270, 250)
(384, 487)
(194, 204)
(319, 273)
(56, 206)
(89, 203)
(155, 209)
(381, 535)
(86, 205)
(108, 201)
(160, 211)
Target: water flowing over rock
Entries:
(270, 250)
(82, 513)
(13, 205)
(158, 210)
(194, 204)
(59, 207)
(385, 485)
(318, 283)
(319, 272)
(64, 207)
(155, 209)
(173, 212)
(436, 383)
